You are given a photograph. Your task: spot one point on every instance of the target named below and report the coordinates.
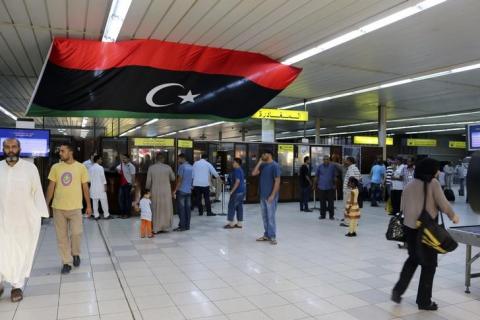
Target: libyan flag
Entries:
(155, 79)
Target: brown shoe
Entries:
(16, 295)
(263, 238)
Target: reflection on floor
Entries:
(314, 272)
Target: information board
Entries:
(33, 142)
(421, 142)
(153, 142)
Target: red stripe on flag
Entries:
(96, 55)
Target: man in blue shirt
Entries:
(269, 172)
(237, 193)
(182, 193)
(325, 182)
(377, 176)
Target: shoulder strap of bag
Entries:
(425, 190)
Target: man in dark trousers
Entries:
(325, 183)
(305, 184)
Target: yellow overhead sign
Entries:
(421, 142)
(285, 148)
(457, 144)
(153, 142)
(371, 140)
(278, 114)
(185, 144)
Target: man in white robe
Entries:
(22, 205)
(98, 188)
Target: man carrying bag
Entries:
(423, 196)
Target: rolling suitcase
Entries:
(449, 195)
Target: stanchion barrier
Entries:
(223, 201)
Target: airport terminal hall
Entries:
(239, 159)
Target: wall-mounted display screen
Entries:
(473, 134)
(34, 143)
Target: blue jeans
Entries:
(184, 210)
(375, 193)
(305, 197)
(235, 204)
(268, 215)
(125, 199)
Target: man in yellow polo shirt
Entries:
(68, 180)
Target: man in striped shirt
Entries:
(388, 179)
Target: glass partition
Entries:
(317, 154)
(302, 152)
(285, 159)
(111, 150)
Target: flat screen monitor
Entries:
(34, 142)
(473, 136)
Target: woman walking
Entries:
(412, 205)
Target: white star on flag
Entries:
(189, 97)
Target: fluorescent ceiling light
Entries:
(131, 130)
(433, 131)
(118, 12)
(167, 134)
(375, 25)
(399, 82)
(201, 127)
(8, 113)
(150, 122)
(356, 124)
(395, 83)
(466, 68)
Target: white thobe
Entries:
(22, 204)
(97, 189)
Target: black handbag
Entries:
(433, 235)
(395, 231)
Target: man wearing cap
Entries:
(269, 172)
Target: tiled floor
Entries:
(315, 272)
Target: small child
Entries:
(146, 215)
(352, 211)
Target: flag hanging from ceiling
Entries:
(155, 79)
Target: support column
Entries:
(243, 131)
(382, 130)
(317, 130)
(268, 130)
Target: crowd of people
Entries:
(22, 203)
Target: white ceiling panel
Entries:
(155, 12)
(235, 15)
(210, 19)
(278, 15)
(177, 11)
(57, 16)
(197, 11)
(96, 18)
(136, 14)
(76, 15)
(261, 12)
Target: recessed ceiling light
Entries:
(118, 12)
(8, 113)
(375, 25)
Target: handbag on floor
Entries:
(395, 230)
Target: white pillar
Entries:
(317, 130)
(268, 130)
